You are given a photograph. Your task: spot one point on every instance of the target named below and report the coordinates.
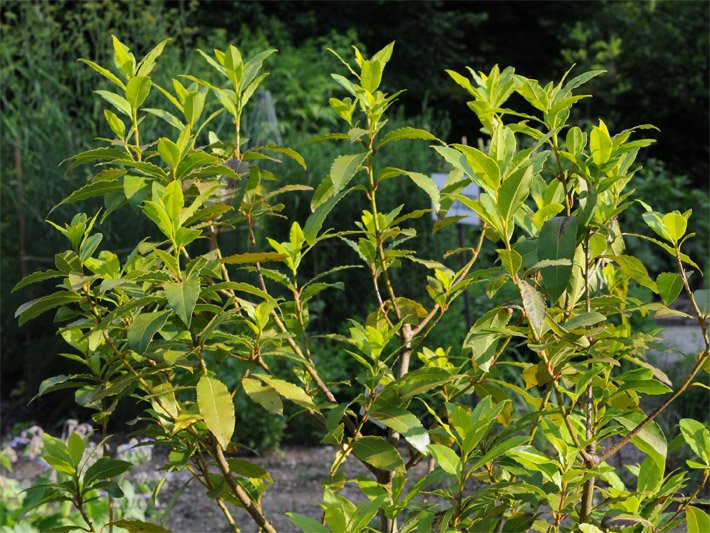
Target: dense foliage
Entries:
(518, 422)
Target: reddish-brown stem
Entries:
(252, 508)
(588, 490)
(650, 418)
(464, 271)
(683, 506)
(702, 357)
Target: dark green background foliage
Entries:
(656, 54)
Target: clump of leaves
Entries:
(158, 324)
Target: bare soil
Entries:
(297, 475)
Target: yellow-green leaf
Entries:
(403, 422)
(263, 394)
(675, 224)
(698, 520)
(289, 391)
(169, 152)
(182, 297)
(669, 286)
(137, 90)
(379, 453)
(143, 328)
(406, 133)
(600, 144)
(446, 458)
(344, 168)
(216, 408)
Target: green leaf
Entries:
(307, 524)
(702, 297)
(584, 320)
(141, 331)
(169, 152)
(147, 64)
(137, 91)
(88, 247)
(93, 189)
(669, 286)
(76, 446)
(117, 101)
(426, 184)
(513, 192)
(650, 476)
(315, 221)
(403, 422)
(56, 454)
(486, 169)
(534, 306)
(474, 426)
(582, 79)
(676, 225)
(697, 520)
(697, 436)
(216, 408)
(248, 258)
(157, 214)
(173, 201)
(166, 116)
(650, 440)
(289, 152)
(344, 168)
(138, 526)
(245, 468)
(511, 261)
(654, 221)
(635, 269)
(37, 277)
(379, 453)
(105, 72)
(135, 189)
(122, 57)
(420, 381)
(365, 513)
(34, 308)
(371, 75)
(62, 381)
(446, 458)
(499, 450)
(600, 144)
(557, 241)
(263, 394)
(116, 124)
(533, 459)
(110, 487)
(289, 391)
(105, 468)
(182, 297)
(406, 133)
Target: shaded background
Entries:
(655, 52)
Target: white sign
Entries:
(458, 209)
